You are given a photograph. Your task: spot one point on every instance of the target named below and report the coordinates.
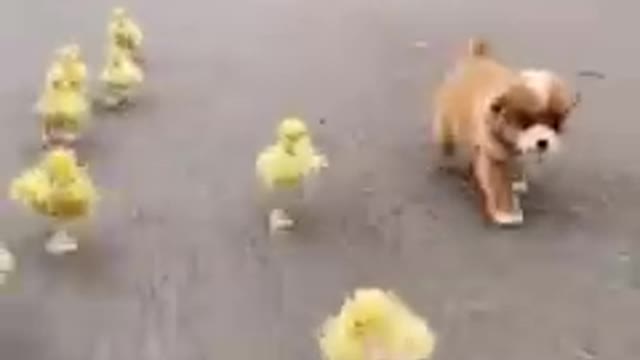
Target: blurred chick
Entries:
(59, 189)
(376, 325)
(125, 33)
(64, 111)
(121, 78)
(68, 66)
(282, 168)
(7, 263)
(64, 106)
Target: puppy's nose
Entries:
(542, 144)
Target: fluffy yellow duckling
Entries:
(7, 263)
(121, 78)
(63, 106)
(59, 189)
(125, 33)
(376, 325)
(282, 168)
(69, 66)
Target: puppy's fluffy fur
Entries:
(491, 115)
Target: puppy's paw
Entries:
(514, 218)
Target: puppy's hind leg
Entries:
(447, 151)
(443, 135)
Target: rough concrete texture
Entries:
(178, 265)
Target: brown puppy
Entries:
(490, 115)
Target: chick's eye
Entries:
(358, 324)
(295, 136)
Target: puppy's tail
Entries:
(478, 47)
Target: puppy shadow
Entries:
(456, 180)
(459, 183)
(538, 200)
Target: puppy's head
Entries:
(557, 99)
(519, 120)
(557, 104)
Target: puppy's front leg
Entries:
(494, 182)
(519, 178)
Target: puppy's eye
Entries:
(555, 120)
(497, 107)
(525, 121)
(556, 124)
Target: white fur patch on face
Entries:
(539, 140)
(540, 81)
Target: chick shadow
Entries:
(304, 230)
(105, 111)
(86, 148)
(90, 269)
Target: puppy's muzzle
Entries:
(538, 139)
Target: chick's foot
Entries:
(61, 243)
(279, 220)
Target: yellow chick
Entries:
(376, 325)
(125, 33)
(64, 106)
(291, 159)
(282, 168)
(68, 66)
(121, 78)
(64, 110)
(59, 189)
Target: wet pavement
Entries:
(177, 264)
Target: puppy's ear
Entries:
(561, 103)
(478, 47)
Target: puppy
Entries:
(490, 116)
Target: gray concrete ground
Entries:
(178, 266)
